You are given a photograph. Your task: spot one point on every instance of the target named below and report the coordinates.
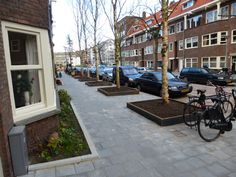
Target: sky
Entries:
(64, 25)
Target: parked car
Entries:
(152, 82)
(128, 74)
(107, 75)
(141, 69)
(203, 75)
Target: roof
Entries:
(177, 12)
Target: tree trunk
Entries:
(165, 94)
(155, 44)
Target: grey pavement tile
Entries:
(101, 162)
(115, 170)
(218, 170)
(203, 172)
(132, 167)
(65, 170)
(228, 164)
(220, 154)
(195, 162)
(232, 175)
(94, 173)
(83, 167)
(207, 158)
(46, 172)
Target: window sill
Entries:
(38, 117)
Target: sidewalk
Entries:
(129, 145)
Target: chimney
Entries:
(144, 14)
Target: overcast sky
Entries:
(63, 23)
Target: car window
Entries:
(128, 71)
(204, 71)
(185, 70)
(158, 76)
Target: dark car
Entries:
(203, 75)
(107, 75)
(152, 82)
(128, 74)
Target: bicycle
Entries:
(198, 103)
(212, 122)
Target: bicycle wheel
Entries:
(190, 113)
(227, 108)
(206, 122)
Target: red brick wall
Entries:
(33, 13)
(39, 131)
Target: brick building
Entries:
(28, 94)
(201, 33)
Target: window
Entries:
(234, 36)
(224, 12)
(191, 42)
(222, 62)
(171, 46)
(149, 22)
(214, 38)
(26, 70)
(233, 9)
(172, 29)
(214, 62)
(194, 21)
(149, 64)
(188, 4)
(159, 48)
(179, 26)
(191, 62)
(211, 16)
(149, 50)
(181, 45)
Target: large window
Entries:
(181, 45)
(188, 4)
(28, 59)
(214, 62)
(224, 12)
(214, 38)
(234, 36)
(211, 16)
(233, 9)
(172, 29)
(149, 50)
(191, 62)
(179, 26)
(194, 21)
(171, 46)
(191, 42)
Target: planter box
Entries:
(97, 83)
(113, 91)
(156, 111)
(83, 79)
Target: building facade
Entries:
(201, 33)
(62, 58)
(107, 52)
(27, 89)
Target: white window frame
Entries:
(188, 3)
(232, 38)
(195, 22)
(192, 60)
(181, 43)
(218, 38)
(191, 41)
(224, 17)
(171, 47)
(214, 13)
(171, 32)
(179, 27)
(232, 12)
(218, 61)
(47, 89)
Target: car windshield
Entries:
(129, 71)
(108, 70)
(159, 76)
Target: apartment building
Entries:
(201, 33)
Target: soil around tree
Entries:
(157, 111)
(98, 83)
(114, 91)
(84, 79)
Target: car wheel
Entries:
(139, 87)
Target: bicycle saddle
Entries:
(200, 91)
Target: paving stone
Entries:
(232, 175)
(46, 172)
(95, 173)
(203, 172)
(84, 167)
(218, 170)
(102, 162)
(115, 170)
(65, 170)
(132, 167)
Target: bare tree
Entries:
(116, 8)
(94, 8)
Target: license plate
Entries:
(185, 90)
